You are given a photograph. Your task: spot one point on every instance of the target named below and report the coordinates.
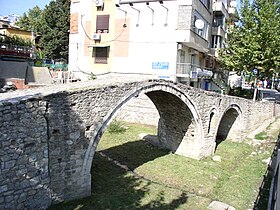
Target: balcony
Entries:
(192, 40)
(219, 7)
(183, 69)
(232, 10)
(192, 71)
(218, 31)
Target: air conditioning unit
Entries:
(99, 3)
(96, 36)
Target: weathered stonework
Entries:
(48, 140)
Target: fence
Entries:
(274, 193)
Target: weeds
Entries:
(117, 126)
(261, 136)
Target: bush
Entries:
(116, 126)
(261, 136)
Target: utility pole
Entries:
(255, 90)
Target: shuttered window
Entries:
(102, 23)
(101, 54)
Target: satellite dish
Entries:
(233, 4)
(199, 24)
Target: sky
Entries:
(18, 7)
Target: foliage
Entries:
(255, 41)
(116, 126)
(32, 21)
(15, 40)
(92, 76)
(261, 136)
(55, 35)
(52, 24)
(240, 92)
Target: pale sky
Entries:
(18, 7)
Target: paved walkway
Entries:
(99, 82)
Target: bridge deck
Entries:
(105, 80)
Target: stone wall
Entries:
(139, 110)
(24, 174)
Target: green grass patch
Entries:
(261, 136)
(168, 181)
(116, 126)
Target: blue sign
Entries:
(255, 71)
(163, 77)
(160, 65)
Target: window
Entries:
(218, 20)
(102, 23)
(203, 31)
(217, 42)
(101, 54)
(206, 3)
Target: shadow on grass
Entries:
(115, 188)
(134, 154)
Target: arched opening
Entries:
(176, 120)
(179, 129)
(229, 125)
(176, 123)
(210, 121)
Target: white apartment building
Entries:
(169, 39)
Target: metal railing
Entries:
(8, 50)
(187, 69)
(184, 68)
(274, 193)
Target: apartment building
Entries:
(169, 39)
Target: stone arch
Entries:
(212, 118)
(229, 125)
(191, 142)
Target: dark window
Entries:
(206, 3)
(217, 41)
(101, 54)
(218, 20)
(102, 23)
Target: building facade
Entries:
(170, 39)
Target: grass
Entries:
(162, 180)
(261, 136)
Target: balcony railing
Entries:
(8, 51)
(193, 71)
(184, 69)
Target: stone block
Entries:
(3, 188)
(217, 205)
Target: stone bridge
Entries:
(48, 137)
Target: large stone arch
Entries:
(188, 134)
(229, 125)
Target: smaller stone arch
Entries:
(212, 118)
(230, 125)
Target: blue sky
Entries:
(18, 7)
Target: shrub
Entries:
(261, 136)
(116, 126)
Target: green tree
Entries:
(255, 41)
(52, 24)
(55, 31)
(32, 21)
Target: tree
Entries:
(255, 41)
(52, 24)
(55, 31)
(32, 21)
